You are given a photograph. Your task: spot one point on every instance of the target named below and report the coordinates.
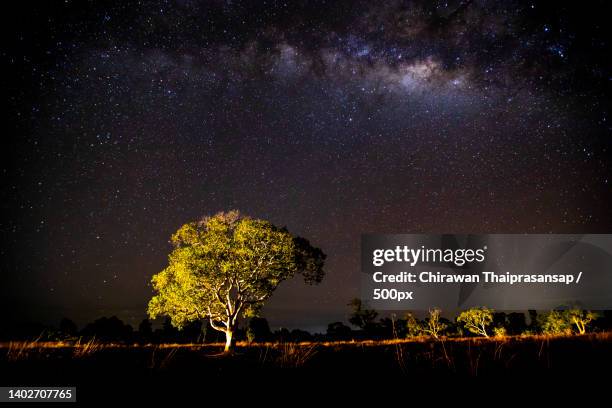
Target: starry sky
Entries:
(126, 119)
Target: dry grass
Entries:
(294, 355)
(20, 350)
(87, 348)
(162, 361)
(17, 349)
(473, 356)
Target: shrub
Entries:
(414, 327)
(554, 322)
(499, 332)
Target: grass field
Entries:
(91, 364)
(468, 355)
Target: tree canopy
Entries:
(476, 320)
(226, 266)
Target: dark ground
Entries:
(154, 373)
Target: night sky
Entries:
(125, 120)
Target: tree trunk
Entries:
(229, 345)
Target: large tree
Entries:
(225, 267)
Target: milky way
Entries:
(333, 118)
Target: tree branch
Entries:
(218, 328)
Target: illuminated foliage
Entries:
(476, 320)
(433, 325)
(561, 321)
(225, 267)
(554, 322)
(413, 325)
(500, 332)
(580, 319)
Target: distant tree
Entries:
(476, 320)
(338, 331)
(109, 328)
(500, 319)
(562, 321)
(449, 326)
(169, 333)
(554, 322)
(413, 326)
(580, 318)
(433, 325)
(384, 329)
(145, 329)
(360, 315)
(191, 332)
(516, 323)
(501, 323)
(400, 327)
(298, 335)
(225, 267)
(67, 327)
(534, 320)
(258, 330)
(283, 334)
(604, 320)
